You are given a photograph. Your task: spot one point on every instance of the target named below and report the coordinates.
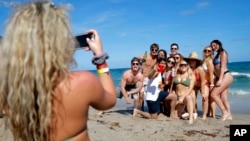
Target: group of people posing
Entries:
(170, 83)
(42, 100)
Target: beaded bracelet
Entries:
(99, 59)
(103, 70)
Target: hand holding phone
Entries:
(81, 40)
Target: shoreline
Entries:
(239, 105)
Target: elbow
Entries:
(112, 103)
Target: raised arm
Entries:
(105, 98)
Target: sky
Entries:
(128, 27)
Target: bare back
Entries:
(72, 103)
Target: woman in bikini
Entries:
(208, 67)
(183, 85)
(223, 80)
(200, 84)
(41, 98)
(169, 75)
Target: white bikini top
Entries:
(204, 66)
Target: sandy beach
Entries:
(117, 124)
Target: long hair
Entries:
(221, 49)
(37, 49)
(209, 57)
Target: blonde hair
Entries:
(211, 56)
(37, 49)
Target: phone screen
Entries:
(81, 39)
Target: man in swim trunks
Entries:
(132, 82)
(153, 96)
(148, 62)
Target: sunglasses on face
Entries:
(154, 50)
(207, 50)
(171, 62)
(174, 48)
(183, 65)
(135, 64)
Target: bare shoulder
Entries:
(140, 75)
(200, 69)
(81, 77)
(83, 82)
(126, 73)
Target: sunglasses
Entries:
(172, 62)
(183, 65)
(177, 58)
(207, 50)
(154, 49)
(135, 64)
(174, 48)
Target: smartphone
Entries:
(81, 39)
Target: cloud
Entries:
(202, 4)
(188, 12)
(198, 6)
(105, 16)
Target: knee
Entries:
(212, 95)
(188, 98)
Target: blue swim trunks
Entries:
(153, 106)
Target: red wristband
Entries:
(103, 65)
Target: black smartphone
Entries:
(81, 39)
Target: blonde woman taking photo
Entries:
(42, 99)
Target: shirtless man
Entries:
(148, 62)
(174, 48)
(132, 82)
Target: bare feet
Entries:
(135, 112)
(190, 121)
(204, 117)
(172, 116)
(225, 116)
(230, 117)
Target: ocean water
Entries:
(239, 70)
